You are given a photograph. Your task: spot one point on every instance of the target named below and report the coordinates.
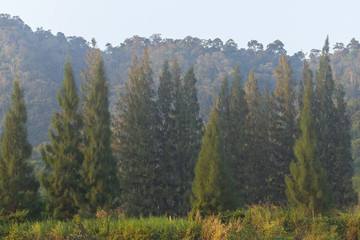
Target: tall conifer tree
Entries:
(282, 131)
(325, 112)
(346, 194)
(333, 137)
(213, 187)
(238, 140)
(179, 142)
(18, 185)
(224, 114)
(63, 157)
(258, 150)
(99, 169)
(137, 142)
(185, 137)
(232, 113)
(192, 134)
(165, 103)
(307, 187)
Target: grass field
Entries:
(255, 222)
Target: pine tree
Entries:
(166, 93)
(237, 134)
(325, 112)
(224, 114)
(99, 169)
(137, 142)
(301, 91)
(282, 131)
(345, 194)
(178, 139)
(18, 185)
(192, 134)
(63, 157)
(232, 113)
(185, 137)
(165, 103)
(258, 150)
(307, 187)
(332, 132)
(213, 187)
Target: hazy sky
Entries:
(299, 24)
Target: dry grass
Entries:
(254, 222)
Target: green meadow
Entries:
(255, 222)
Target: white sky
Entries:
(299, 24)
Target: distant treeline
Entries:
(38, 57)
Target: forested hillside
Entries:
(38, 57)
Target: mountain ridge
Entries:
(38, 57)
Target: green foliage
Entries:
(334, 146)
(258, 147)
(183, 165)
(188, 134)
(136, 140)
(165, 104)
(238, 140)
(157, 140)
(343, 155)
(282, 129)
(213, 186)
(99, 181)
(255, 222)
(232, 112)
(307, 188)
(224, 115)
(17, 217)
(38, 58)
(325, 112)
(62, 157)
(353, 110)
(79, 233)
(18, 186)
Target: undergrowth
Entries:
(254, 222)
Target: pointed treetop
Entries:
(237, 73)
(93, 42)
(252, 84)
(145, 62)
(175, 69)
(325, 49)
(68, 95)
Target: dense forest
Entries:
(159, 126)
(38, 58)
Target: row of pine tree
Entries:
(256, 148)
(154, 157)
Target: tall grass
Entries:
(254, 222)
